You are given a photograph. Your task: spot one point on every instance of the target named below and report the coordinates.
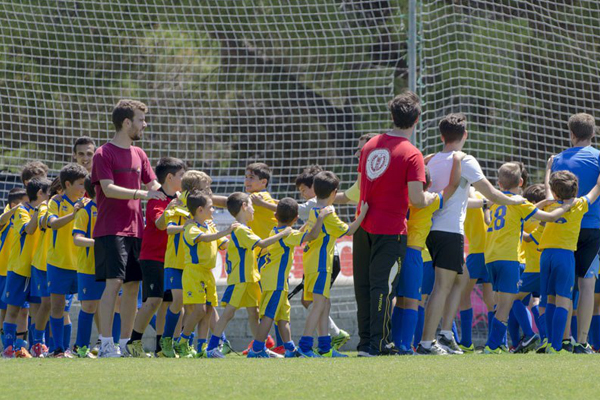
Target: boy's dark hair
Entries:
(166, 166)
(307, 176)
(55, 187)
(15, 195)
(90, 189)
(195, 200)
(405, 109)
(509, 175)
(261, 170)
(84, 140)
(524, 173)
(34, 169)
(287, 210)
(427, 178)
(235, 202)
(35, 185)
(125, 109)
(564, 184)
(325, 183)
(70, 173)
(582, 126)
(535, 193)
(453, 127)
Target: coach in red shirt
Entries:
(118, 170)
(391, 171)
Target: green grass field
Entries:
(509, 376)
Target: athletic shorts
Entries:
(428, 278)
(61, 281)
(17, 290)
(477, 268)
(173, 278)
(39, 283)
(505, 276)
(199, 287)
(117, 257)
(411, 275)
(2, 286)
(586, 255)
(530, 283)
(336, 268)
(447, 250)
(153, 282)
(557, 272)
(275, 305)
(317, 282)
(242, 295)
(88, 289)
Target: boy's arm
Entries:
(219, 201)
(175, 229)
(314, 232)
(364, 208)
(57, 223)
(527, 237)
(5, 217)
(553, 215)
(259, 201)
(210, 237)
(455, 175)
(161, 222)
(81, 241)
(547, 177)
(32, 225)
(484, 187)
(595, 192)
(273, 239)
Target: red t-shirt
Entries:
(154, 242)
(128, 168)
(387, 164)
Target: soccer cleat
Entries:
(8, 352)
(333, 354)
(467, 350)
(449, 345)
(258, 354)
(39, 350)
(308, 354)
(552, 350)
(269, 343)
(136, 349)
(339, 340)
(582, 348)
(96, 349)
(567, 345)
(292, 353)
(84, 352)
(279, 350)
(434, 350)
(22, 353)
(272, 354)
(69, 354)
(363, 353)
(200, 354)
(184, 350)
(58, 353)
(167, 348)
(527, 344)
(226, 347)
(109, 350)
(214, 353)
(488, 350)
(542, 347)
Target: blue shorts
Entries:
(557, 272)
(69, 302)
(61, 281)
(17, 290)
(477, 268)
(39, 283)
(173, 278)
(411, 275)
(87, 287)
(505, 276)
(428, 278)
(530, 283)
(2, 286)
(140, 297)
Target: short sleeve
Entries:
(246, 238)
(335, 226)
(42, 212)
(154, 210)
(353, 192)
(102, 166)
(53, 209)
(295, 238)
(147, 171)
(416, 167)
(585, 204)
(170, 217)
(527, 210)
(438, 202)
(471, 170)
(80, 224)
(21, 219)
(191, 233)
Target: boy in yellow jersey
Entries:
(557, 263)
(256, 181)
(502, 252)
(202, 242)
(89, 291)
(318, 260)
(62, 256)
(405, 315)
(243, 289)
(17, 291)
(274, 305)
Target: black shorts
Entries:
(447, 250)
(336, 268)
(153, 282)
(588, 245)
(117, 257)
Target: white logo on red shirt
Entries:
(378, 162)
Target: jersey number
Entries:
(499, 218)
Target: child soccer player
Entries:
(61, 259)
(256, 182)
(408, 292)
(318, 259)
(502, 251)
(274, 305)
(25, 241)
(243, 289)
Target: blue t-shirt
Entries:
(584, 162)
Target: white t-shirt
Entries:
(451, 218)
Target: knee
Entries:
(154, 302)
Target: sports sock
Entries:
(10, 334)
(447, 334)
(489, 320)
(84, 329)
(594, 333)
(67, 330)
(57, 326)
(30, 331)
(559, 322)
(454, 331)
(278, 339)
(523, 317)
(153, 322)
(258, 346)
(186, 337)
(549, 319)
(123, 343)
(38, 336)
(306, 343)
(116, 330)
(426, 344)
(419, 328)
(157, 346)
(170, 323)
(498, 333)
(200, 344)
(135, 335)
(223, 337)
(213, 343)
(333, 328)
(324, 344)
(513, 328)
(409, 322)
(290, 346)
(397, 325)
(192, 337)
(466, 323)
(49, 340)
(574, 326)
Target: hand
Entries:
(257, 199)
(189, 221)
(234, 226)
(459, 155)
(287, 231)
(428, 158)
(567, 204)
(78, 206)
(153, 195)
(518, 200)
(364, 207)
(545, 203)
(325, 211)
(174, 203)
(550, 161)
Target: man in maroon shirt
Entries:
(391, 171)
(118, 170)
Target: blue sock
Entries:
(306, 343)
(409, 323)
(324, 344)
(549, 318)
(455, 331)
(170, 323)
(57, 325)
(116, 331)
(213, 343)
(542, 326)
(523, 317)
(489, 320)
(2, 338)
(84, 329)
(201, 343)
(513, 328)
(38, 336)
(559, 322)
(223, 337)
(30, 331)
(183, 336)
(466, 323)
(278, 338)
(498, 333)
(49, 341)
(397, 325)
(290, 346)
(419, 328)
(192, 337)
(153, 322)
(574, 326)
(68, 329)
(594, 333)
(258, 346)
(10, 334)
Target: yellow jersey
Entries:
(426, 255)
(564, 232)
(201, 255)
(39, 258)
(264, 219)
(24, 245)
(528, 227)
(241, 262)
(419, 222)
(280, 257)
(353, 192)
(318, 254)
(62, 252)
(175, 253)
(6, 240)
(84, 223)
(476, 228)
(532, 251)
(505, 231)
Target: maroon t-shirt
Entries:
(128, 168)
(154, 243)
(387, 164)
